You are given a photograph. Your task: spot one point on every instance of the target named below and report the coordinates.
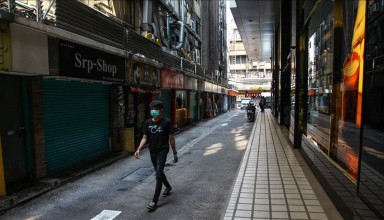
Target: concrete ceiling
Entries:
(255, 20)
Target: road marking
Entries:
(106, 215)
(224, 124)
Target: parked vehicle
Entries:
(251, 111)
(244, 103)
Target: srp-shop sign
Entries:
(83, 62)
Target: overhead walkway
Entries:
(274, 182)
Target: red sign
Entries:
(232, 93)
(171, 79)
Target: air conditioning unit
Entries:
(191, 24)
(193, 56)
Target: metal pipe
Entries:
(181, 37)
(147, 14)
(169, 30)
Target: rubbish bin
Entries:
(127, 139)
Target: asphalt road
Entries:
(209, 157)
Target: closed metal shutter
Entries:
(76, 122)
(166, 98)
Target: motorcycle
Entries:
(251, 113)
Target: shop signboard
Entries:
(200, 85)
(232, 93)
(170, 79)
(208, 87)
(143, 74)
(79, 61)
(190, 83)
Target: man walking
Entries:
(158, 132)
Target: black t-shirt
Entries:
(158, 133)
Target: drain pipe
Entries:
(169, 30)
(147, 15)
(181, 38)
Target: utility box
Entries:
(127, 139)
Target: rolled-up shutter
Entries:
(76, 122)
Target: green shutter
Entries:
(166, 98)
(76, 122)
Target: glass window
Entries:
(371, 182)
(117, 8)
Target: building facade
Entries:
(76, 78)
(251, 77)
(333, 60)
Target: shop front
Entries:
(76, 101)
(209, 100)
(144, 85)
(370, 87)
(174, 97)
(190, 87)
(232, 94)
(18, 72)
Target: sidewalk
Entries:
(274, 182)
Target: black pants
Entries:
(158, 159)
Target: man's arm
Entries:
(173, 146)
(141, 145)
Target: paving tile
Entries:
(309, 196)
(296, 208)
(246, 207)
(261, 186)
(243, 214)
(292, 191)
(245, 200)
(262, 201)
(279, 208)
(246, 195)
(298, 215)
(277, 191)
(289, 186)
(295, 202)
(311, 208)
(261, 196)
(318, 215)
(292, 194)
(276, 186)
(247, 190)
(280, 215)
(307, 191)
(312, 202)
(277, 196)
(278, 201)
(261, 214)
(248, 186)
(261, 207)
(262, 190)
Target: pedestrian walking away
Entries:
(158, 133)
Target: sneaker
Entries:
(151, 206)
(167, 191)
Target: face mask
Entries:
(155, 113)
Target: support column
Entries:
(285, 81)
(37, 127)
(301, 91)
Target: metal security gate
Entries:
(76, 122)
